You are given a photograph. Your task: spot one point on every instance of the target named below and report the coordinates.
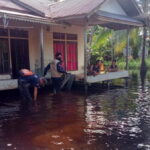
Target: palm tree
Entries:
(107, 42)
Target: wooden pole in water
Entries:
(42, 49)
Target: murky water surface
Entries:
(117, 119)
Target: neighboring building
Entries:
(31, 32)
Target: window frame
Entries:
(66, 40)
(9, 37)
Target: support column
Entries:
(127, 56)
(112, 46)
(10, 56)
(85, 58)
(143, 63)
(127, 50)
(42, 49)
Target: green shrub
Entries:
(133, 63)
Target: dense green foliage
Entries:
(134, 64)
(107, 43)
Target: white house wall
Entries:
(48, 44)
(112, 6)
(34, 45)
(34, 48)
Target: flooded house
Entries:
(31, 32)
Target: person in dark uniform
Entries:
(26, 80)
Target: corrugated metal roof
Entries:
(26, 17)
(9, 5)
(105, 19)
(40, 5)
(68, 10)
(64, 8)
(11, 10)
(131, 10)
(73, 8)
(116, 22)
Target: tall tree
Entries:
(144, 5)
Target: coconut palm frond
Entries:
(134, 36)
(118, 47)
(102, 38)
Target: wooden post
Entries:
(127, 50)
(112, 46)
(143, 63)
(127, 55)
(85, 58)
(10, 56)
(42, 49)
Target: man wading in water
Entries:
(26, 80)
(58, 75)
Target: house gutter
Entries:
(27, 18)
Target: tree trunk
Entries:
(143, 63)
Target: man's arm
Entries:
(60, 69)
(36, 85)
(46, 69)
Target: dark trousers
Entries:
(56, 84)
(24, 90)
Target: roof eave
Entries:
(118, 18)
(119, 21)
(27, 18)
(70, 17)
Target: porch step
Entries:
(5, 76)
(8, 84)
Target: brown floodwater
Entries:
(117, 118)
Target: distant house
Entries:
(31, 32)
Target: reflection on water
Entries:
(117, 119)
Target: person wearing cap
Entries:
(57, 72)
(29, 79)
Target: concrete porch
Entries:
(6, 83)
